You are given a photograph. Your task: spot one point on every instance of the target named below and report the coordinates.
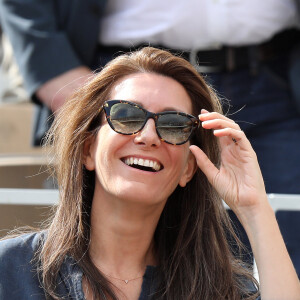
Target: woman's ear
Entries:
(190, 169)
(88, 153)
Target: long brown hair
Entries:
(195, 260)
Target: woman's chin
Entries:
(140, 196)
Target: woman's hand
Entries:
(238, 181)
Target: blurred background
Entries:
(22, 165)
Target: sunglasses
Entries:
(128, 118)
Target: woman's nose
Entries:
(148, 135)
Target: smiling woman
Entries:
(143, 158)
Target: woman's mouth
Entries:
(143, 164)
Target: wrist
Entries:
(256, 215)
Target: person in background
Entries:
(249, 51)
(141, 185)
(11, 83)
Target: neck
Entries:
(122, 236)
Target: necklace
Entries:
(125, 280)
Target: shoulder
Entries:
(18, 252)
(21, 244)
(18, 276)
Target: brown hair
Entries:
(191, 238)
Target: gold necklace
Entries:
(125, 280)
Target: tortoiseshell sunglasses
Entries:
(129, 118)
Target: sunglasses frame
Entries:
(149, 115)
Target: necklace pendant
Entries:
(126, 281)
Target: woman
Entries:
(141, 181)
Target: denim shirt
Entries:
(19, 278)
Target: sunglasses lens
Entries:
(127, 118)
(174, 128)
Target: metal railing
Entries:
(50, 197)
(28, 197)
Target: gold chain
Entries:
(125, 280)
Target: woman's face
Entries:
(110, 153)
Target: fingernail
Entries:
(204, 111)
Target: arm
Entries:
(239, 182)
(42, 47)
(55, 91)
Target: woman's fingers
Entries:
(219, 123)
(204, 163)
(236, 136)
(205, 116)
(223, 127)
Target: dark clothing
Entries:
(51, 37)
(19, 279)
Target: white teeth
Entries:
(143, 162)
(156, 166)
